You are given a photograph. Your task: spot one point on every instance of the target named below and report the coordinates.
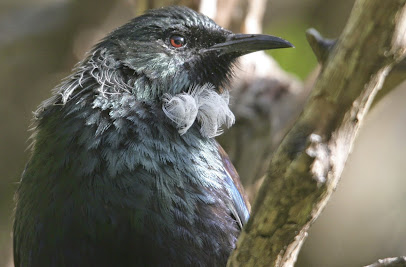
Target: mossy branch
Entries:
(308, 164)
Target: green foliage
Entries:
(300, 60)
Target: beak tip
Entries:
(287, 44)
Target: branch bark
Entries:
(390, 262)
(322, 48)
(308, 164)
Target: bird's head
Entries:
(171, 57)
(167, 50)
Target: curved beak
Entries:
(242, 44)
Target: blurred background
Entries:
(41, 40)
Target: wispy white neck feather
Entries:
(202, 103)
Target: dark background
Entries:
(41, 40)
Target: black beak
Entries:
(242, 44)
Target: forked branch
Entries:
(307, 165)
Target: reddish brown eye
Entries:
(177, 41)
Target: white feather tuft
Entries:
(202, 103)
(181, 109)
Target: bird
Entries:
(124, 168)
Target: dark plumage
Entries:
(111, 182)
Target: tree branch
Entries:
(308, 164)
(322, 48)
(390, 262)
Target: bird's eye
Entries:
(177, 41)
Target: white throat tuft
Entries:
(202, 103)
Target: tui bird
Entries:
(124, 168)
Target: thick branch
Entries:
(308, 164)
(322, 48)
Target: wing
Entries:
(240, 207)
